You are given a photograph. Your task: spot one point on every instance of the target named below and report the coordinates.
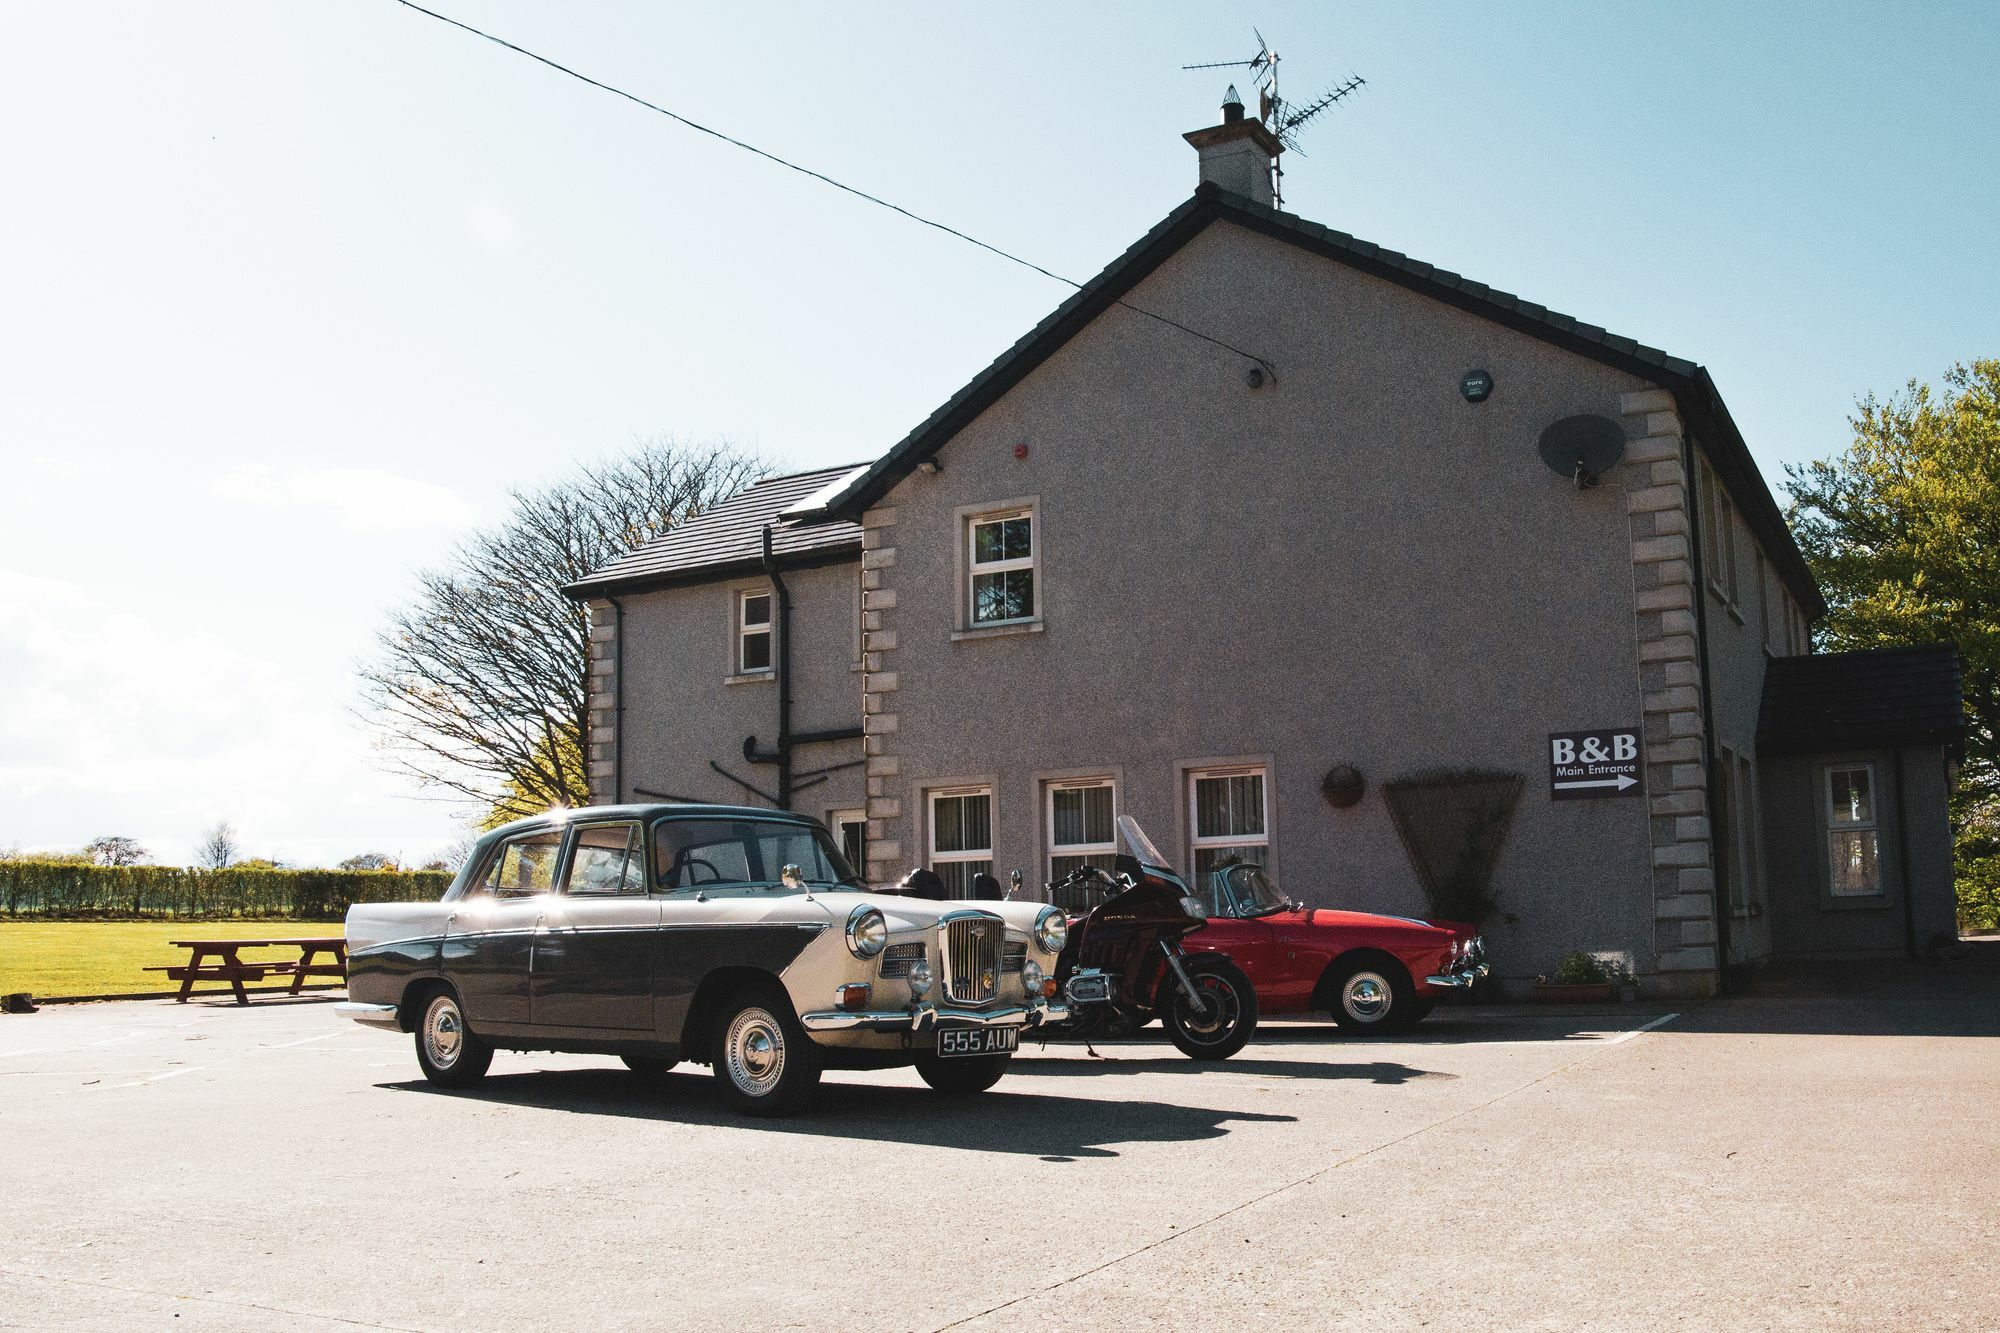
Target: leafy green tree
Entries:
(1903, 532)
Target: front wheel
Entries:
(448, 1051)
(962, 1073)
(1218, 1019)
(1376, 998)
(765, 1062)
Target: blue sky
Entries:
(293, 294)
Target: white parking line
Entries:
(152, 1078)
(1648, 1027)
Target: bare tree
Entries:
(218, 847)
(116, 851)
(478, 687)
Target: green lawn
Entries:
(110, 957)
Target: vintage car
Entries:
(733, 937)
(1372, 973)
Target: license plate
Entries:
(978, 1041)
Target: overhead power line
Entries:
(825, 179)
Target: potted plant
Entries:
(1581, 978)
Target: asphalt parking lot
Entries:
(1822, 1156)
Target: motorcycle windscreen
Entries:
(1145, 852)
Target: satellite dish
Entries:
(1583, 448)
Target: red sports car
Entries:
(1372, 973)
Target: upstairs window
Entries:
(1082, 827)
(753, 631)
(1228, 813)
(1002, 566)
(1853, 835)
(1718, 536)
(961, 837)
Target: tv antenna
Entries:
(1284, 119)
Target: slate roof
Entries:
(728, 540)
(1701, 405)
(1881, 696)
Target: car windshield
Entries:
(745, 853)
(1246, 889)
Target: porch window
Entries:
(1853, 835)
(753, 631)
(1081, 827)
(1002, 566)
(961, 837)
(1229, 817)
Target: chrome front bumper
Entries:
(373, 1015)
(925, 1017)
(1461, 980)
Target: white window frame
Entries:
(744, 630)
(851, 815)
(1055, 849)
(974, 567)
(1720, 547)
(1197, 843)
(1873, 824)
(934, 857)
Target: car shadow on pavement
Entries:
(1067, 1066)
(1053, 1128)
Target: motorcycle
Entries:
(1123, 963)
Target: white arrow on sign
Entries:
(1621, 782)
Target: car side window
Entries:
(525, 866)
(608, 859)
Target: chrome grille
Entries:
(898, 958)
(971, 944)
(1013, 956)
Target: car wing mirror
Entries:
(1014, 883)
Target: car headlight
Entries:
(867, 932)
(1052, 930)
(1032, 977)
(919, 979)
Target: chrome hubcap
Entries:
(444, 1032)
(1366, 996)
(754, 1050)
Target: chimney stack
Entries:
(1238, 154)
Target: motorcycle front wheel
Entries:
(1218, 1019)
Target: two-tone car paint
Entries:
(634, 973)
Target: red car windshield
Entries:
(1245, 890)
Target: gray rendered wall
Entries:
(1353, 565)
(680, 714)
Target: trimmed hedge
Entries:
(62, 889)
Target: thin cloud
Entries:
(361, 499)
(493, 226)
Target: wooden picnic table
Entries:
(229, 965)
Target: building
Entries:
(1301, 550)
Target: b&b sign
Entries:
(1584, 765)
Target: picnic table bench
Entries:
(228, 964)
